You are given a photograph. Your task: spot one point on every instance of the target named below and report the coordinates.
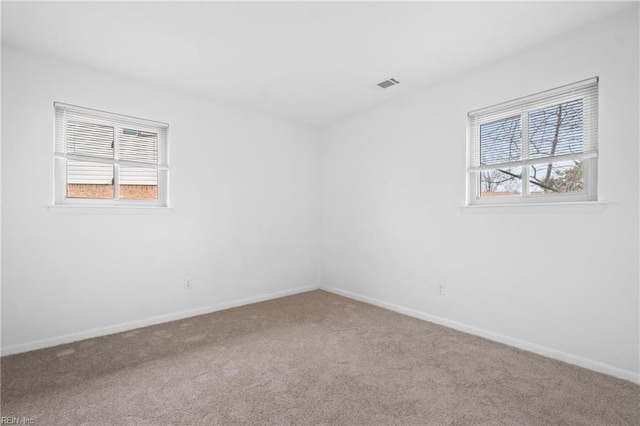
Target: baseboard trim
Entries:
(118, 328)
(496, 337)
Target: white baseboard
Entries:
(521, 344)
(118, 328)
(496, 337)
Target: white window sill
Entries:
(568, 207)
(107, 210)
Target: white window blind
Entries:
(535, 149)
(99, 148)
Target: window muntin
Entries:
(105, 158)
(542, 148)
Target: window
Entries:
(538, 149)
(109, 159)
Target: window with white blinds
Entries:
(107, 158)
(538, 149)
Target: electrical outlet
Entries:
(442, 289)
(187, 284)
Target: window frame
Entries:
(117, 122)
(521, 107)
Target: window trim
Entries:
(95, 116)
(521, 107)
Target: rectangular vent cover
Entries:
(388, 83)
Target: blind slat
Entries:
(538, 160)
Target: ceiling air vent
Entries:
(387, 83)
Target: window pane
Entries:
(89, 139)
(501, 182)
(559, 177)
(89, 180)
(137, 145)
(556, 130)
(500, 141)
(137, 183)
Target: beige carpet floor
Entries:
(312, 358)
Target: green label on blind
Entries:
(137, 133)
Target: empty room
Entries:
(349, 213)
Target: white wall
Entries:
(560, 281)
(243, 225)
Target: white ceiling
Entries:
(311, 62)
